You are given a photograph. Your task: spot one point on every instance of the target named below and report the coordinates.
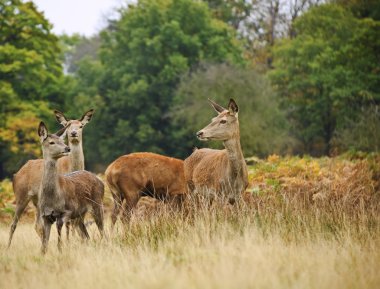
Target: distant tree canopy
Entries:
(361, 8)
(143, 56)
(327, 73)
(30, 75)
(263, 127)
(149, 73)
(261, 23)
(77, 47)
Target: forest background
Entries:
(305, 73)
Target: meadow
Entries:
(303, 223)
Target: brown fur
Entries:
(80, 190)
(157, 175)
(219, 171)
(26, 182)
(69, 198)
(203, 167)
(208, 169)
(62, 198)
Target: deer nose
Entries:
(67, 149)
(199, 133)
(74, 133)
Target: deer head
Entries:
(224, 126)
(74, 132)
(53, 145)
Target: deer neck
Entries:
(49, 184)
(51, 200)
(76, 156)
(235, 157)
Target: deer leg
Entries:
(59, 230)
(177, 201)
(117, 206)
(131, 194)
(45, 234)
(125, 213)
(83, 230)
(130, 203)
(20, 207)
(38, 225)
(67, 226)
(97, 212)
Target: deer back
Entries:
(207, 168)
(142, 170)
(27, 180)
(80, 189)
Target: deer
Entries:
(65, 197)
(134, 175)
(219, 171)
(26, 182)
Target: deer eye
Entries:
(81, 126)
(51, 142)
(223, 121)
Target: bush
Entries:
(361, 133)
(331, 185)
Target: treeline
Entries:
(306, 75)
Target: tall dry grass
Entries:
(305, 223)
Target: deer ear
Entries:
(42, 131)
(233, 108)
(87, 116)
(216, 106)
(62, 132)
(60, 117)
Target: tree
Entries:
(263, 127)
(361, 133)
(77, 47)
(260, 23)
(29, 53)
(30, 75)
(362, 8)
(143, 56)
(233, 12)
(327, 73)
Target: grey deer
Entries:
(62, 198)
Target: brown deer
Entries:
(65, 197)
(26, 182)
(219, 171)
(131, 176)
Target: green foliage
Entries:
(29, 53)
(362, 8)
(6, 197)
(30, 75)
(146, 79)
(76, 48)
(232, 12)
(327, 73)
(143, 56)
(361, 133)
(82, 87)
(262, 125)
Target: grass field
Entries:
(305, 223)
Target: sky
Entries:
(86, 17)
